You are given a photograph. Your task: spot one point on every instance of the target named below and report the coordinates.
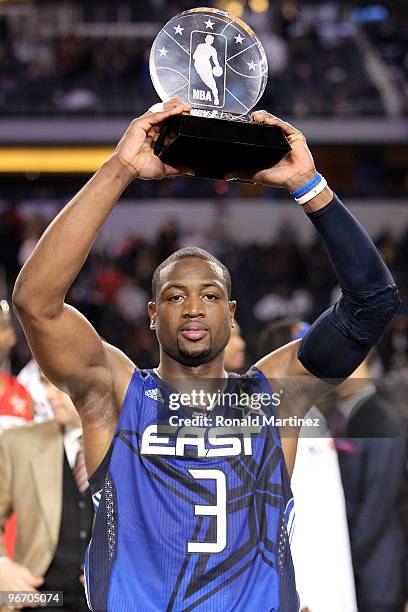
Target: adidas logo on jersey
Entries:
(154, 394)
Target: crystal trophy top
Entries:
(210, 59)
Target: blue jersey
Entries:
(191, 518)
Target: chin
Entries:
(194, 357)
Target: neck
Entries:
(169, 368)
(209, 378)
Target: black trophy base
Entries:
(214, 146)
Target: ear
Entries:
(232, 305)
(151, 307)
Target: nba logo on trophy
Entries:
(214, 61)
(210, 59)
(208, 56)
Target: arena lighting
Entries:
(259, 6)
(289, 10)
(52, 159)
(235, 7)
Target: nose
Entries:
(193, 307)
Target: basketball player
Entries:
(202, 57)
(188, 519)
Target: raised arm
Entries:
(342, 336)
(67, 348)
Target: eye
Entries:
(176, 298)
(211, 297)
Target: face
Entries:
(192, 314)
(7, 337)
(61, 403)
(235, 350)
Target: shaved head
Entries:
(198, 254)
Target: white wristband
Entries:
(4, 560)
(313, 192)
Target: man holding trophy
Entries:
(196, 518)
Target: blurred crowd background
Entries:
(317, 55)
(72, 76)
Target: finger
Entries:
(160, 106)
(289, 130)
(173, 171)
(172, 103)
(260, 116)
(152, 119)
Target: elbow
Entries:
(27, 299)
(368, 319)
(388, 305)
(396, 301)
(35, 303)
(20, 297)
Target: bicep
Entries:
(67, 348)
(286, 372)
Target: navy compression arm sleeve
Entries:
(342, 337)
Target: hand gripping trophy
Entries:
(215, 62)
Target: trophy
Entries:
(213, 61)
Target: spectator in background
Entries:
(33, 230)
(11, 235)
(372, 458)
(30, 378)
(43, 480)
(234, 357)
(15, 401)
(324, 577)
(108, 282)
(131, 300)
(167, 240)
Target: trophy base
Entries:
(213, 146)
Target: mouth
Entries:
(194, 331)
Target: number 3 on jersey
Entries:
(219, 511)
